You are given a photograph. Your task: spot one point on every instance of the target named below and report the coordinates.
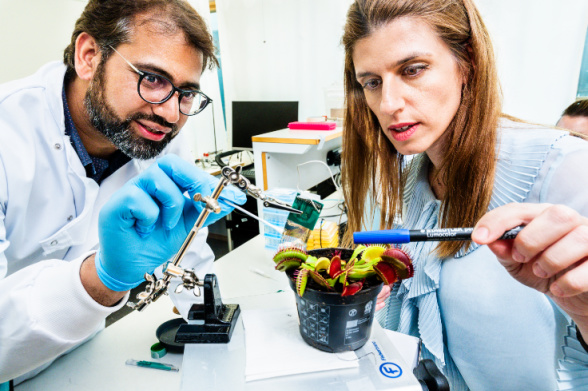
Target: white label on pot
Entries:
(314, 321)
(368, 308)
(351, 323)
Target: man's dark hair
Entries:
(577, 109)
(110, 23)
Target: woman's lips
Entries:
(402, 132)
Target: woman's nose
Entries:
(392, 97)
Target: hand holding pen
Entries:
(547, 250)
(398, 236)
(550, 254)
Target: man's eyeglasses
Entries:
(156, 89)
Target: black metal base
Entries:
(166, 334)
(216, 320)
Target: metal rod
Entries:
(158, 287)
(198, 224)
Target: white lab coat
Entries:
(48, 226)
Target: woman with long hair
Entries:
(421, 81)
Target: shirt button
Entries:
(70, 218)
(54, 243)
(57, 146)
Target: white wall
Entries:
(539, 46)
(34, 32)
(200, 128)
(285, 50)
(289, 50)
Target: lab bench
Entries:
(246, 276)
(99, 364)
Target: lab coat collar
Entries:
(52, 75)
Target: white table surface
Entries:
(100, 363)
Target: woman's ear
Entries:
(87, 56)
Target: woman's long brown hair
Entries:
(371, 166)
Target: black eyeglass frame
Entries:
(182, 93)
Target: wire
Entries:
(241, 159)
(330, 173)
(231, 203)
(316, 161)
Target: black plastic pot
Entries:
(331, 322)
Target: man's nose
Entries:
(170, 109)
(393, 98)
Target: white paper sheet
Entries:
(274, 347)
(408, 346)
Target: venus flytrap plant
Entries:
(374, 264)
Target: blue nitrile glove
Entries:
(146, 221)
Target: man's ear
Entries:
(87, 56)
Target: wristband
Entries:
(581, 339)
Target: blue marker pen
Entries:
(422, 235)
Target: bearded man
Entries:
(95, 178)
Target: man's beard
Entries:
(118, 131)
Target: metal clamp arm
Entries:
(158, 287)
(269, 202)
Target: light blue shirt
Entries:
(482, 328)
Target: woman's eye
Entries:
(414, 70)
(371, 84)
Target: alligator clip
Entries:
(269, 202)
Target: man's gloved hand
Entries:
(146, 221)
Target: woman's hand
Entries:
(550, 254)
(382, 296)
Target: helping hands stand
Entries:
(215, 321)
(157, 287)
(214, 309)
